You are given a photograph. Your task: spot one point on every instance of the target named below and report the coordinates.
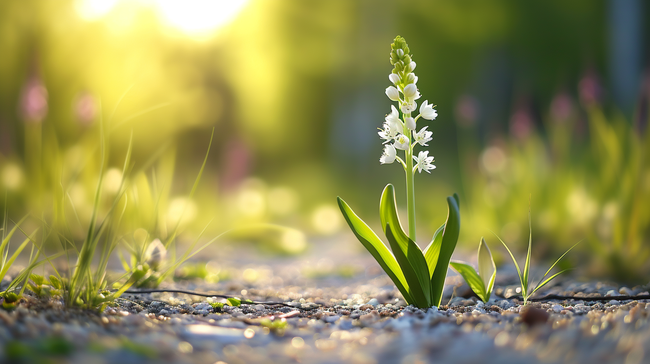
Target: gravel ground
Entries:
(356, 317)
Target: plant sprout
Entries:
(524, 276)
(482, 282)
(419, 275)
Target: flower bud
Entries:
(400, 53)
(411, 78)
(411, 66)
(394, 78)
(410, 91)
(410, 123)
(392, 93)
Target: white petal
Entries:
(394, 78)
(412, 66)
(392, 93)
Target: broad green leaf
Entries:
(472, 278)
(233, 301)
(449, 240)
(487, 270)
(407, 253)
(377, 249)
(432, 251)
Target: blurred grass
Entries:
(294, 91)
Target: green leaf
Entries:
(233, 301)
(449, 240)
(487, 270)
(472, 278)
(407, 253)
(560, 258)
(432, 251)
(377, 249)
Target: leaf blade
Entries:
(376, 248)
(406, 251)
(432, 251)
(487, 270)
(472, 278)
(449, 241)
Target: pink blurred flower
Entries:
(467, 110)
(589, 88)
(521, 123)
(85, 108)
(33, 100)
(561, 107)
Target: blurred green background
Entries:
(541, 104)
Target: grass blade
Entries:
(545, 282)
(524, 286)
(472, 278)
(560, 258)
(449, 241)
(377, 249)
(513, 260)
(406, 251)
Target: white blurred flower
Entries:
(412, 66)
(394, 78)
(410, 123)
(423, 136)
(423, 162)
(389, 154)
(402, 142)
(427, 111)
(155, 254)
(400, 53)
(392, 93)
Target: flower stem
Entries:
(410, 192)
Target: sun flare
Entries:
(193, 17)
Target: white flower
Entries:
(427, 111)
(392, 126)
(402, 142)
(412, 66)
(393, 118)
(400, 52)
(423, 136)
(423, 161)
(394, 78)
(392, 93)
(410, 123)
(411, 92)
(409, 107)
(389, 154)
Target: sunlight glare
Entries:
(199, 16)
(93, 9)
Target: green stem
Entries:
(410, 187)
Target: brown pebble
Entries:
(366, 307)
(532, 315)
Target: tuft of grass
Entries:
(524, 276)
